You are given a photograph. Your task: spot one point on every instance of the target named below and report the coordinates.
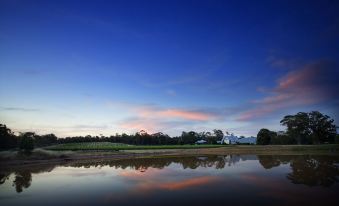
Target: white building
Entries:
(201, 141)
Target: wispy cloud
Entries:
(176, 113)
(154, 111)
(19, 109)
(153, 125)
(311, 84)
(154, 118)
(178, 185)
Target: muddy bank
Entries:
(11, 159)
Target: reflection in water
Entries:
(23, 176)
(314, 171)
(22, 180)
(308, 170)
(142, 164)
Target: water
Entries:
(209, 180)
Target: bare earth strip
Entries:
(46, 157)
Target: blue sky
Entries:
(101, 67)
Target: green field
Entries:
(119, 146)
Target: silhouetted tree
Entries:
(44, 140)
(218, 133)
(264, 136)
(283, 139)
(27, 141)
(322, 128)
(308, 128)
(7, 138)
(189, 137)
(298, 127)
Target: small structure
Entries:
(247, 140)
(231, 139)
(201, 142)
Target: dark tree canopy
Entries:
(264, 136)
(218, 133)
(322, 128)
(27, 141)
(310, 128)
(297, 127)
(7, 138)
(44, 140)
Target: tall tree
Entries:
(218, 133)
(7, 138)
(307, 128)
(298, 127)
(264, 136)
(322, 128)
(189, 137)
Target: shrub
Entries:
(27, 141)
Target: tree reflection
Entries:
(306, 169)
(268, 161)
(142, 164)
(23, 176)
(313, 171)
(22, 180)
(4, 177)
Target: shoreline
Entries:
(99, 155)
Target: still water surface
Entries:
(208, 180)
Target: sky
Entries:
(105, 67)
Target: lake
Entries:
(204, 180)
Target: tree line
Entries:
(29, 140)
(302, 128)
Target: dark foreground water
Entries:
(211, 180)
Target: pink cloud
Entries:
(155, 112)
(152, 111)
(152, 118)
(314, 83)
(148, 125)
(146, 185)
(179, 185)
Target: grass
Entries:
(119, 146)
(35, 154)
(98, 150)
